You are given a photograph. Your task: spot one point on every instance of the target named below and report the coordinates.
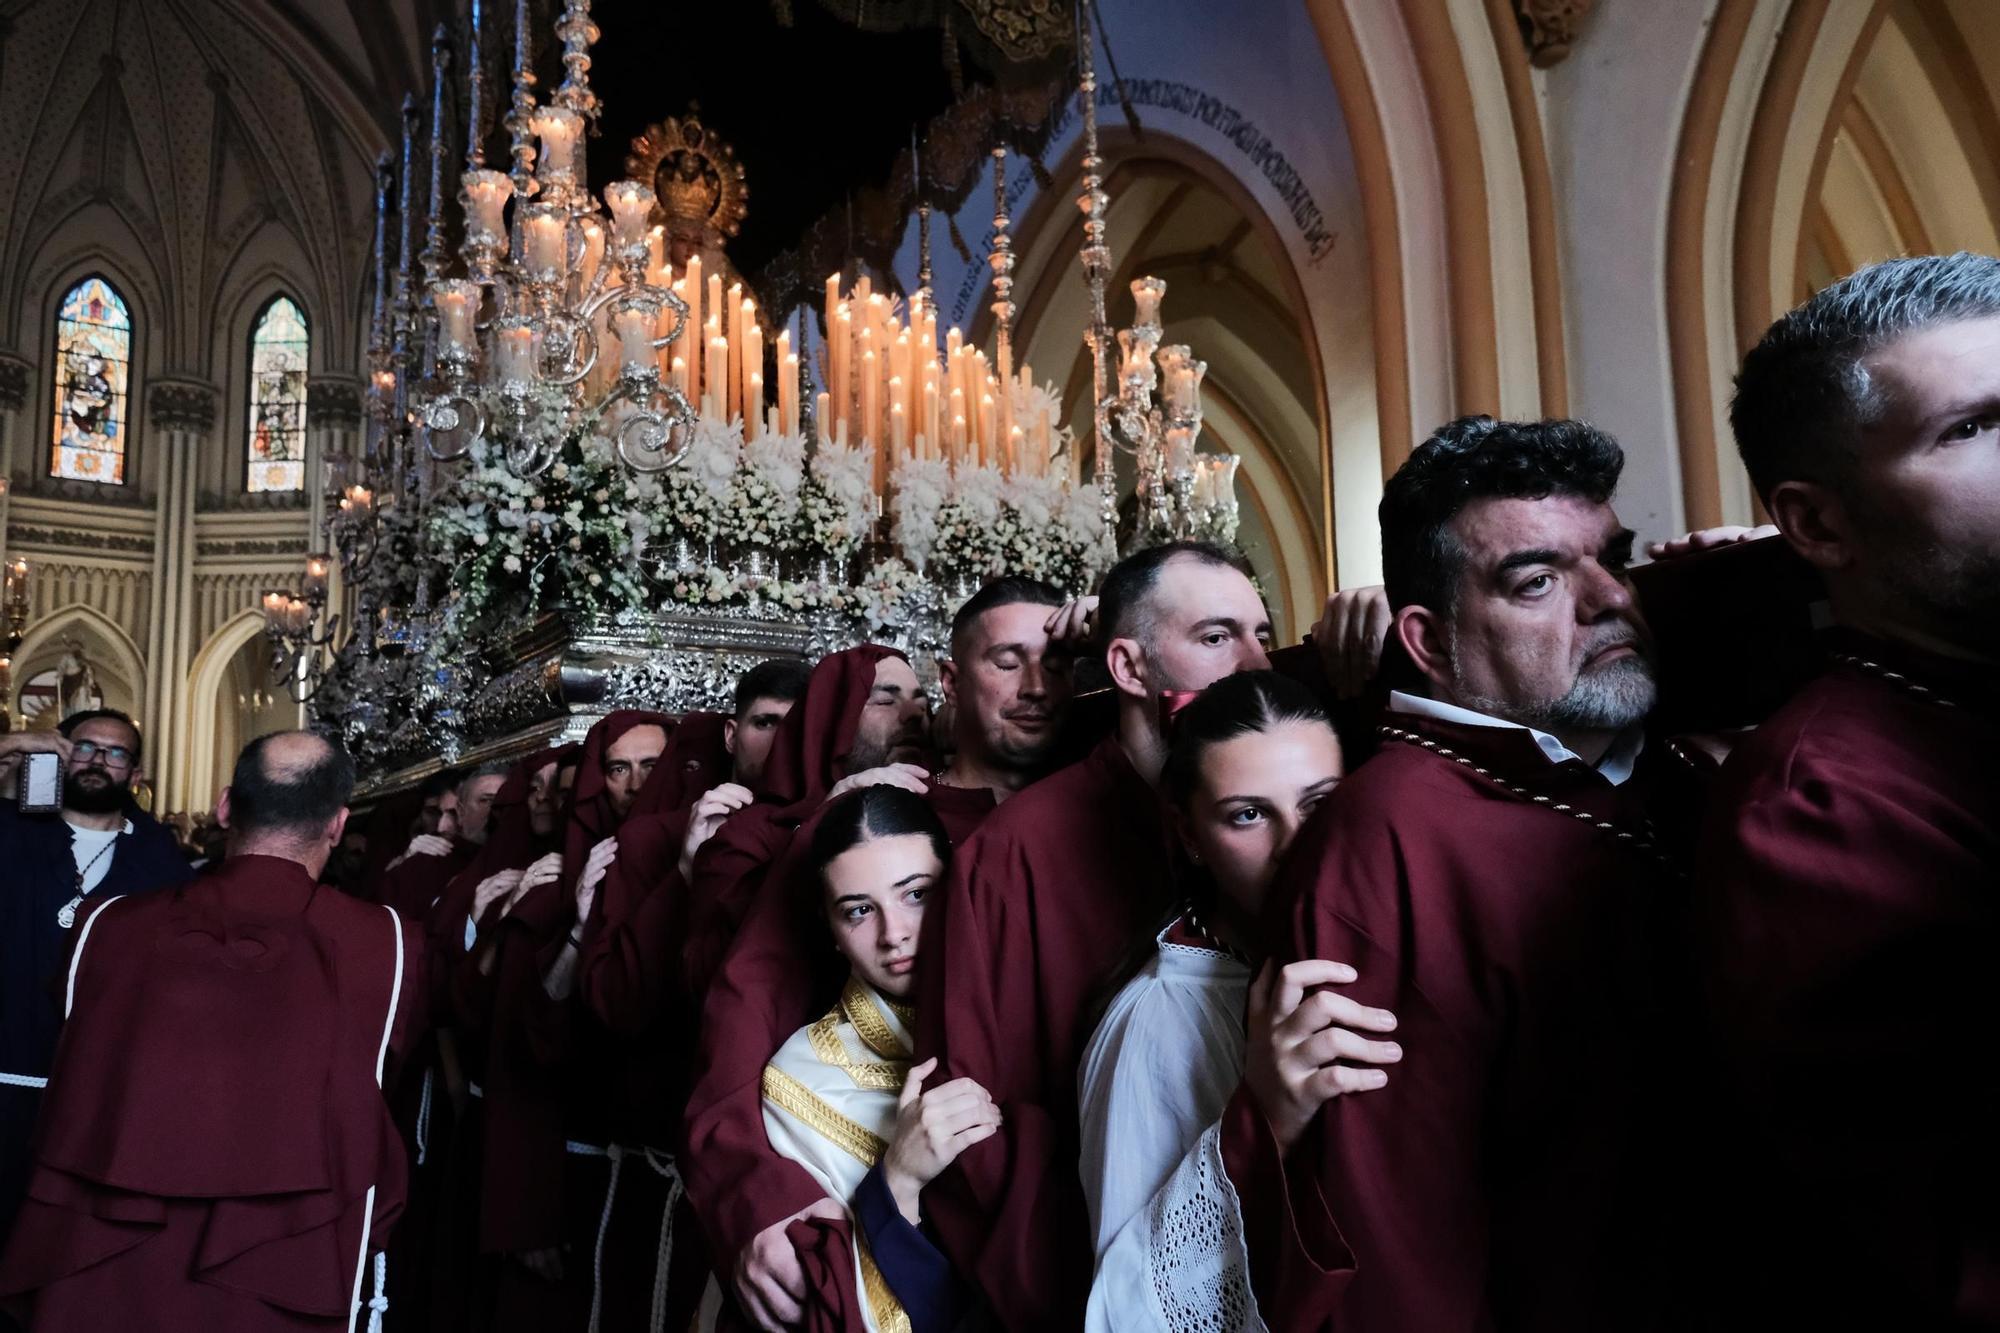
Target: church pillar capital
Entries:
(14, 373)
(182, 405)
(333, 402)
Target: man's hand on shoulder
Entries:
(1350, 636)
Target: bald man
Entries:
(176, 1182)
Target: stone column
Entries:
(333, 430)
(180, 420)
(13, 400)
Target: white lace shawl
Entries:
(1165, 1219)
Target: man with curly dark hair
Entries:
(1492, 877)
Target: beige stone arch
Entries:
(120, 667)
(194, 778)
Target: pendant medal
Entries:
(67, 916)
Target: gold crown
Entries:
(694, 174)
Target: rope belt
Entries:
(379, 1306)
(424, 1116)
(22, 1081)
(663, 1166)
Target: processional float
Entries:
(593, 479)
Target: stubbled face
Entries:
(1925, 495)
(748, 737)
(447, 816)
(875, 893)
(1009, 687)
(543, 801)
(1545, 631)
(1207, 622)
(892, 727)
(627, 763)
(1255, 792)
(475, 806)
(101, 765)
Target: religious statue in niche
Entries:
(699, 187)
(76, 682)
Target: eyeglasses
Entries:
(115, 756)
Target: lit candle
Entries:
(899, 430)
(691, 276)
(832, 296)
(1146, 294)
(871, 390)
(895, 405)
(485, 195)
(543, 239)
(753, 363)
(631, 204)
(593, 255)
(514, 351)
(296, 615)
(985, 453)
(680, 378)
(656, 257)
(715, 395)
(274, 610)
(316, 576)
(560, 130)
(753, 400)
(457, 304)
(822, 417)
(634, 326)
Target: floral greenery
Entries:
(590, 539)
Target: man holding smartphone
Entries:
(100, 844)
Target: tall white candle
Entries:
(631, 204)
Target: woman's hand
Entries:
(1296, 1040)
(932, 1129)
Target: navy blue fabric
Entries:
(37, 876)
(915, 1269)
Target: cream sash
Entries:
(830, 1105)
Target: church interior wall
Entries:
(1373, 218)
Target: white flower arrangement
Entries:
(922, 485)
(837, 500)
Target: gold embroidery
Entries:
(871, 1076)
(890, 1316)
(858, 1003)
(789, 1095)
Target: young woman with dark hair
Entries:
(1248, 761)
(841, 1097)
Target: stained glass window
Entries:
(93, 372)
(279, 348)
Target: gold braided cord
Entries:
(831, 1050)
(798, 1101)
(858, 1003)
(890, 1316)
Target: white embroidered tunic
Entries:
(1155, 1078)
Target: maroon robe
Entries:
(215, 1152)
(461, 1283)
(552, 1105)
(805, 762)
(778, 976)
(1514, 1172)
(1847, 931)
(1040, 904)
(415, 884)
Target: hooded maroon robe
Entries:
(804, 764)
(1518, 1170)
(460, 1284)
(215, 1152)
(1847, 931)
(551, 1082)
(778, 976)
(629, 971)
(1038, 906)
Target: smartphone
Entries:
(40, 786)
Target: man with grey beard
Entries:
(1493, 877)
